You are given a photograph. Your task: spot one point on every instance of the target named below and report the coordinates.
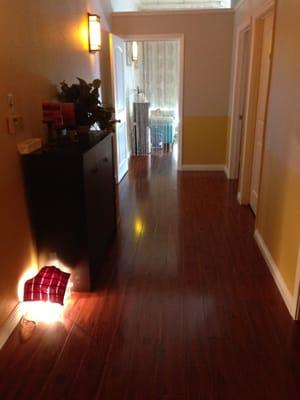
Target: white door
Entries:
(117, 53)
(261, 109)
(245, 54)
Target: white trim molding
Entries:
(10, 324)
(235, 142)
(152, 36)
(288, 298)
(202, 167)
(263, 9)
(226, 171)
(296, 309)
(180, 38)
(239, 4)
(172, 12)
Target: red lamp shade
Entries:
(49, 285)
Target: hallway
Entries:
(186, 309)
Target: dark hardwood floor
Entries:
(186, 308)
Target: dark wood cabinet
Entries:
(71, 198)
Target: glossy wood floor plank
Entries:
(185, 308)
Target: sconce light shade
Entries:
(135, 51)
(94, 33)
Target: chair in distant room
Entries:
(162, 129)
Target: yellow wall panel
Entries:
(279, 215)
(279, 206)
(204, 140)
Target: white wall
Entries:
(207, 64)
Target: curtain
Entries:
(157, 73)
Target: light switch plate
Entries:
(14, 123)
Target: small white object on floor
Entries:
(27, 329)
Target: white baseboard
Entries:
(297, 289)
(10, 324)
(202, 167)
(226, 171)
(254, 201)
(285, 293)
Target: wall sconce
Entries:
(94, 33)
(135, 51)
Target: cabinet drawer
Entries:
(99, 197)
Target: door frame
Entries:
(247, 149)
(235, 144)
(180, 38)
(296, 293)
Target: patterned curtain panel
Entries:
(157, 73)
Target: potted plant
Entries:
(88, 108)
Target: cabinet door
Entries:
(100, 200)
(104, 155)
(54, 194)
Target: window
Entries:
(182, 4)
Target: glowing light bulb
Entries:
(135, 51)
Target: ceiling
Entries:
(144, 5)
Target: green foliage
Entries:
(88, 108)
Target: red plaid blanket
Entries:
(49, 284)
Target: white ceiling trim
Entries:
(152, 5)
(172, 12)
(183, 4)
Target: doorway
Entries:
(265, 68)
(240, 97)
(152, 90)
(251, 88)
(152, 72)
(244, 55)
(245, 36)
